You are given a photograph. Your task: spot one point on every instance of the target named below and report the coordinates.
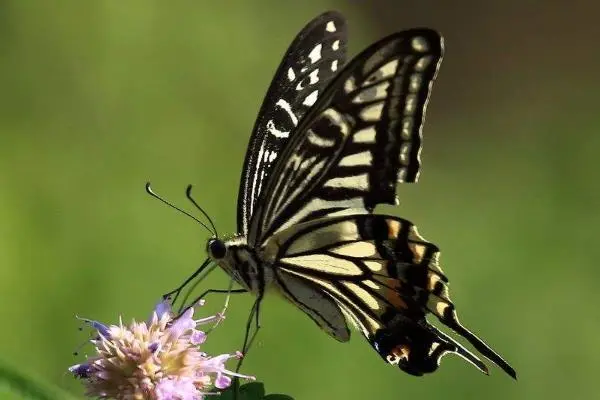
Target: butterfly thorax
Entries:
(242, 262)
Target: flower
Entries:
(155, 360)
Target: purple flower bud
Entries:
(222, 381)
(198, 337)
(183, 323)
(81, 371)
(154, 347)
(164, 307)
(102, 329)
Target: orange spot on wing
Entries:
(393, 228)
(418, 251)
(390, 291)
(400, 352)
(432, 279)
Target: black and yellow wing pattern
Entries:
(315, 56)
(381, 275)
(338, 261)
(332, 141)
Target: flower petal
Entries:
(162, 308)
(222, 381)
(81, 371)
(198, 337)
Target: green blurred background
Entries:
(98, 97)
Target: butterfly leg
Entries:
(248, 340)
(197, 299)
(183, 309)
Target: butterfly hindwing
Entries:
(361, 138)
(314, 57)
(318, 305)
(385, 278)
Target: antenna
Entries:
(177, 291)
(188, 194)
(156, 196)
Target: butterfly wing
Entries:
(310, 62)
(361, 138)
(385, 278)
(320, 306)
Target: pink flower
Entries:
(157, 360)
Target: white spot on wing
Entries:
(389, 69)
(272, 129)
(334, 65)
(315, 53)
(364, 158)
(335, 45)
(407, 127)
(326, 263)
(291, 75)
(376, 92)
(411, 104)
(314, 77)
(349, 85)
(372, 113)
(286, 106)
(374, 266)
(319, 141)
(420, 44)
(422, 63)
(330, 27)
(311, 98)
(366, 135)
(416, 81)
(371, 284)
(357, 182)
(356, 249)
(338, 119)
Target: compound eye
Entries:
(216, 249)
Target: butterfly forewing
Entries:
(360, 138)
(313, 58)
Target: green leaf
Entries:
(251, 391)
(278, 397)
(25, 387)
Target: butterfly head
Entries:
(235, 257)
(216, 249)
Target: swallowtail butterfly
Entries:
(332, 140)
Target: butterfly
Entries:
(332, 140)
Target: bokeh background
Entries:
(98, 97)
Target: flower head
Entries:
(155, 360)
